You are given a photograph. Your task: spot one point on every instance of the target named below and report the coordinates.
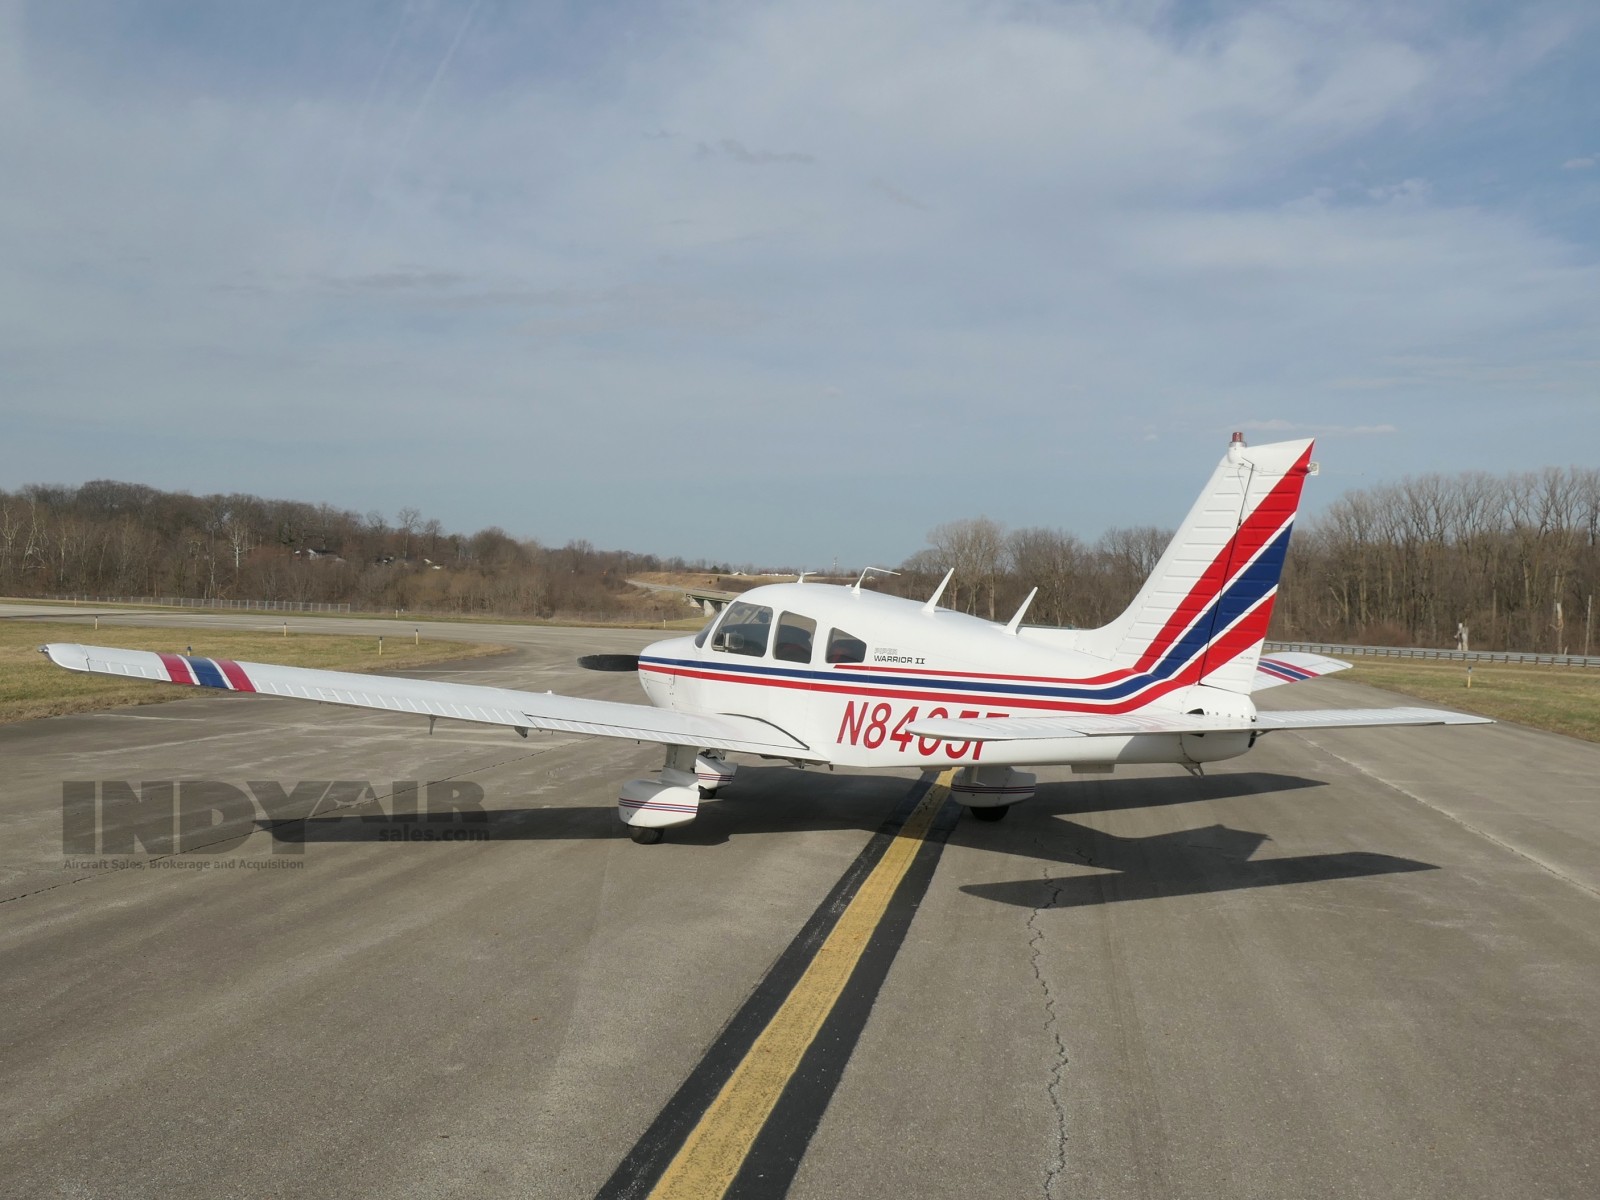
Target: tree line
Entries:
(108, 538)
(1515, 558)
(1081, 584)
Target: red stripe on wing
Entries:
(237, 679)
(177, 670)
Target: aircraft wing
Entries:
(1293, 666)
(433, 698)
(1010, 729)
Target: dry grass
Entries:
(1560, 699)
(404, 619)
(31, 686)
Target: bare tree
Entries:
(406, 521)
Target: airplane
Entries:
(843, 676)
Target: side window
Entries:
(705, 631)
(744, 630)
(795, 635)
(846, 648)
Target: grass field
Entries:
(1560, 699)
(31, 686)
(691, 622)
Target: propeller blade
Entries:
(609, 662)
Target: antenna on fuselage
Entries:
(933, 600)
(856, 588)
(1016, 621)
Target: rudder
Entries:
(1204, 611)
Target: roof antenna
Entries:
(868, 570)
(1016, 621)
(933, 600)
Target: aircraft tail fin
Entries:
(1203, 613)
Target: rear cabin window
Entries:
(846, 648)
(744, 630)
(795, 635)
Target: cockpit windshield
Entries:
(705, 631)
(745, 629)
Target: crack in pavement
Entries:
(1052, 1024)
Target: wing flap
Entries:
(1010, 729)
(1014, 729)
(435, 698)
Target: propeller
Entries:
(609, 662)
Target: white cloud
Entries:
(1031, 232)
(1407, 191)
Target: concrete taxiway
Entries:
(1354, 963)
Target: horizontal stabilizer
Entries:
(1293, 666)
(1359, 718)
(435, 698)
(1014, 729)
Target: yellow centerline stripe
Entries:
(708, 1161)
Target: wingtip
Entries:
(66, 654)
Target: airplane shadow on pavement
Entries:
(763, 801)
(1188, 862)
(777, 801)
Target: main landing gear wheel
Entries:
(991, 814)
(646, 837)
(707, 793)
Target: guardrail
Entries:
(206, 602)
(1423, 652)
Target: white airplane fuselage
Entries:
(847, 671)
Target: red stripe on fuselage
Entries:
(234, 673)
(1278, 506)
(1250, 630)
(1109, 677)
(177, 670)
(860, 691)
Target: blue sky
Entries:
(779, 282)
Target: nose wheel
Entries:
(645, 836)
(989, 791)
